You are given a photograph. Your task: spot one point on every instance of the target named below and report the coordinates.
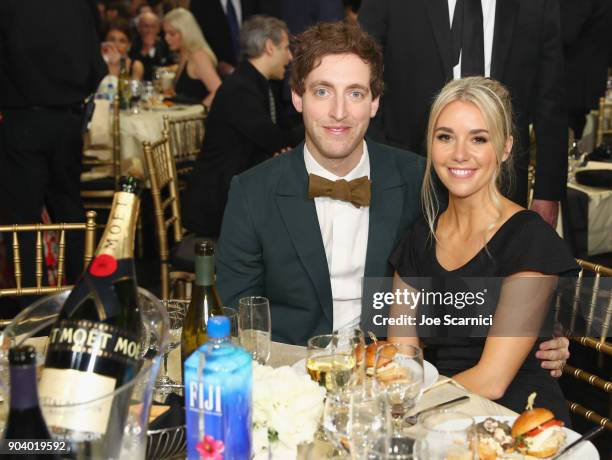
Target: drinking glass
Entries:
(335, 360)
(449, 435)
(148, 95)
(400, 373)
(254, 327)
(176, 310)
(136, 90)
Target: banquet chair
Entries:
(161, 168)
(185, 135)
(604, 122)
(88, 227)
(597, 314)
(98, 193)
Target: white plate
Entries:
(586, 451)
(431, 373)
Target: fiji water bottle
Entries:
(218, 380)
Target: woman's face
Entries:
(462, 153)
(173, 37)
(120, 40)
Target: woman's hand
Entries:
(110, 53)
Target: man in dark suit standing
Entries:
(426, 43)
(50, 61)
(220, 21)
(244, 126)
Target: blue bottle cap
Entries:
(218, 327)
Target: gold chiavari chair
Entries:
(161, 168)
(98, 193)
(604, 121)
(185, 135)
(591, 301)
(89, 227)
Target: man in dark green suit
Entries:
(304, 229)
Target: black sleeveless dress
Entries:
(523, 243)
(190, 90)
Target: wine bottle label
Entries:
(94, 339)
(65, 394)
(118, 237)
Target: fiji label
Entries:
(205, 421)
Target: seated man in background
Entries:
(243, 127)
(148, 47)
(304, 229)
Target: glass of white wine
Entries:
(255, 327)
(333, 359)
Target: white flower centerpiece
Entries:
(287, 407)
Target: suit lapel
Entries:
(505, 16)
(438, 16)
(299, 215)
(386, 207)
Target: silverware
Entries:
(412, 419)
(585, 437)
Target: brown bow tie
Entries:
(356, 191)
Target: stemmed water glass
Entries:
(136, 90)
(176, 314)
(255, 327)
(399, 371)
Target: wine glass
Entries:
(136, 90)
(335, 360)
(449, 435)
(400, 373)
(254, 327)
(176, 310)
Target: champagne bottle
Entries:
(25, 419)
(94, 346)
(123, 84)
(204, 303)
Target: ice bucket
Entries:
(130, 434)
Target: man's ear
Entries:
(297, 101)
(374, 108)
(269, 47)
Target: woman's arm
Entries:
(205, 71)
(522, 307)
(137, 70)
(402, 334)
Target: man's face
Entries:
(148, 25)
(280, 57)
(337, 106)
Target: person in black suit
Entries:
(299, 15)
(148, 47)
(243, 127)
(521, 46)
(220, 22)
(50, 61)
(587, 40)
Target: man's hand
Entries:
(554, 353)
(281, 151)
(548, 210)
(225, 69)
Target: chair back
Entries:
(592, 300)
(89, 227)
(604, 121)
(161, 168)
(186, 135)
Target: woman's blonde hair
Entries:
(493, 100)
(183, 22)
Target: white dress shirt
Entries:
(237, 7)
(344, 229)
(488, 23)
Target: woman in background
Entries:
(197, 78)
(117, 45)
(482, 234)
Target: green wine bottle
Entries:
(123, 84)
(205, 301)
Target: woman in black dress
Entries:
(480, 233)
(197, 79)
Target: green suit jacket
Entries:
(271, 244)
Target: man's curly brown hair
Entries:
(341, 37)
